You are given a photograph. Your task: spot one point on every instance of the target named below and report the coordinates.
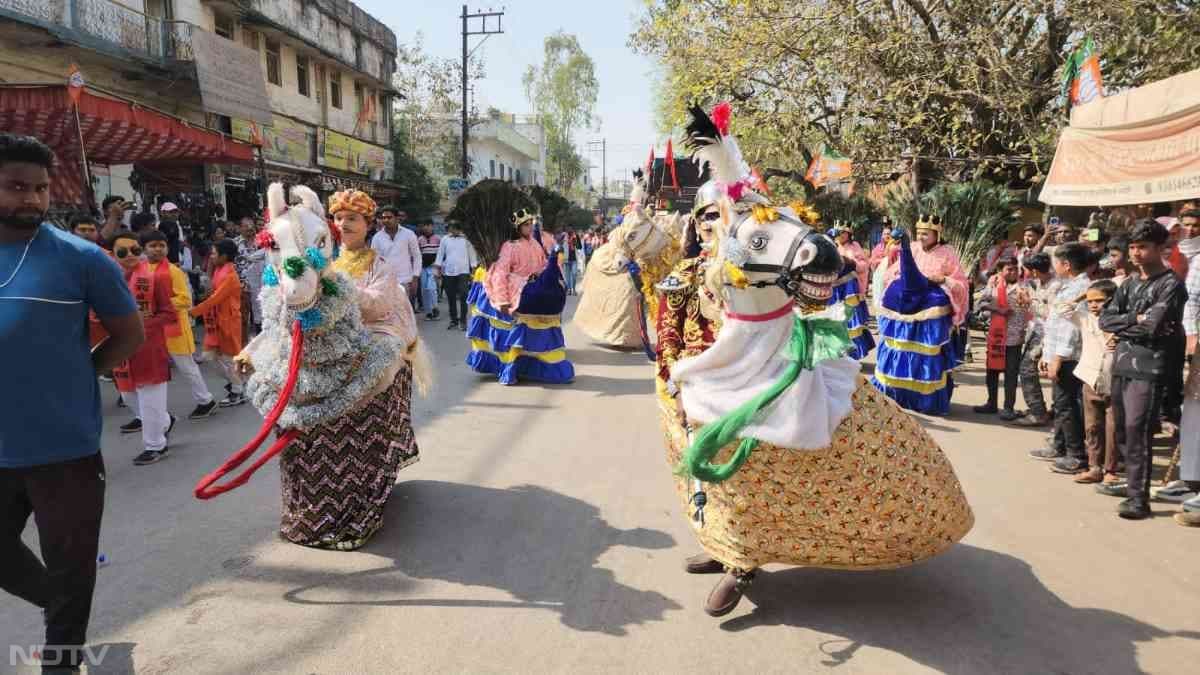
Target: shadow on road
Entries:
(615, 386)
(968, 611)
(540, 546)
(595, 354)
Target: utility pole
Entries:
(603, 143)
(466, 33)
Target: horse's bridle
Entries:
(783, 271)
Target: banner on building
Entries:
(344, 153)
(286, 140)
(230, 78)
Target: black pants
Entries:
(67, 502)
(1172, 382)
(1068, 410)
(1136, 404)
(1012, 366)
(456, 296)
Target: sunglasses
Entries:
(710, 216)
(132, 250)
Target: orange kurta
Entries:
(222, 312)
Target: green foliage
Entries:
(563, 93)
(484, 210)
(877, 79)
(419, 196)
(856, 211)
(973, 214)
(553, 206)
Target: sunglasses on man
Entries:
(126, 251)
(710, 216)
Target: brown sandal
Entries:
(1088, 477)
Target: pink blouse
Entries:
(942, 260)
(518, 261)
(384, 303)
(854, 251)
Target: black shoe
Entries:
(986, 409)
(206, 410)
(132, 426)
(1046, 455)
(452, 326)
(429, 317)
(1068, 465)
(1008, 415)
(1131, 510)
(436, 314)
(170, 426)
(1112, 489)
(150, 457)
(233, 400)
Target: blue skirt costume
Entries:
(530, 346)
(846, 291)
(916, 353)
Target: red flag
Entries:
(650, 163)
(74, 83)
(760, 182)
(671, 165)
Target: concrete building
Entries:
(323, 119)
(506, 147)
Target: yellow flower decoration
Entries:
(736, 277)
(765, 214)
(805, 212)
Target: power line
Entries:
(466, 33)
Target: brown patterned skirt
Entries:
(337, 477)
(882, 495)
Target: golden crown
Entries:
(521, 217)
(933, 223)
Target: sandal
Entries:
(1112, 479)
(1088, 477)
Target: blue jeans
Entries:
(570, 270)
(429, 289)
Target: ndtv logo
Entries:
(34, 655)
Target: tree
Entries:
(973, 86)
(563, 94)
(419, 196)
(553, 206)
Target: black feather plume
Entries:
(701, 131)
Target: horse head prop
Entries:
(300, 245)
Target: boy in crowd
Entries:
(222, 313)
(84, 226)
(1118, 258)
(1060, 355)
(1095, 372)
(1145, 316)
(181, 343)
(1189, 437)
(456, 259)
(1042, 287)
(1008, 300)
(147, 372)
(429, 243)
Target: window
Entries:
(302, 74)
(501, 170)
(492, 168)
(360, 100)
(518, 176)
(510, 173)
(274, 75)
(335, 89)
(223, 26)
(250, 39)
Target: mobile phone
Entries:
(1091, 234)
(1055, 221)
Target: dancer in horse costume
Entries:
(917, 314)
(515, 330)
(848, 291)
(332, 370)
(784, 453)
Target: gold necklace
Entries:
(355, 264)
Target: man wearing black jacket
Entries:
(1146, 317)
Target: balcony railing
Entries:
(106, 25)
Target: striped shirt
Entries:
(1062, 333)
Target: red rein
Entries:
(206, 488)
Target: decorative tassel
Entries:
(765, 214)
(329, 287)
(315, 258)
(721, 114)
(265, 240)
(270, 277)
(735, 276)
(294, 266)
(310, 318)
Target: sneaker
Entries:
(202, 411)
(1131, 510)
(1068, 465)
(1188, 519)
(150, 457)
(233, 400)
(436, 314)
(1032, 421)
(429, 317)
(1112, 489)
(1175, 492)
(132, 426)
(985, 409)
(1008, 415)
(1045, 454)
(452, 326)
(1192, 505)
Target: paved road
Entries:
(540, 533)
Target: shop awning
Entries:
(113, 132)
(1139, 147)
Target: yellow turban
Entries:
(352, 200)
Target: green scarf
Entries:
(814, 339)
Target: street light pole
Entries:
(466, 33)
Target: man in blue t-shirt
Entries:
(50, 464)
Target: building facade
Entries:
(506, 147)
(323, 119)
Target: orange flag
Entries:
(75, 83)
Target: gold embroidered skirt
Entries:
(883, 495)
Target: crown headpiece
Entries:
(521, 217)
(931, 223)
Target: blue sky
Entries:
(624, 104)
